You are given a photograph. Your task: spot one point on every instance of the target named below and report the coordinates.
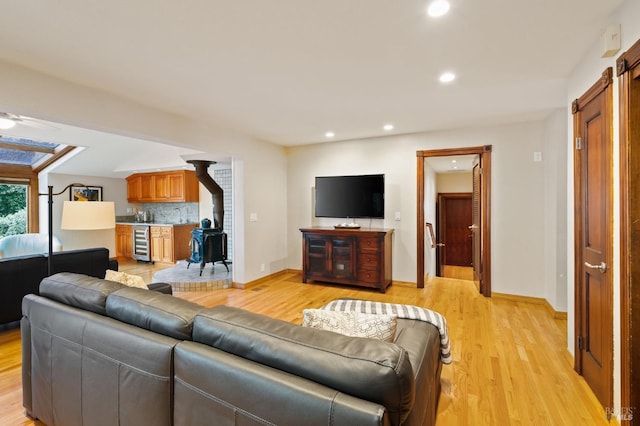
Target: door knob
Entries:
(602, 266)
(440, 245)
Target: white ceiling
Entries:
(287, 71)
(452, 163)
(109, 155)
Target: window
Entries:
(26, 152)
(21, 160)
(13, 208)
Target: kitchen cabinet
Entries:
(134, 189)
(147, 193)
(170, 243)
(124, 241)
(161, 244)
(348, 256)
(162, 187)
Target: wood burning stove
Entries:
(208, 245)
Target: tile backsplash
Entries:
(170, 213)
(173, 212)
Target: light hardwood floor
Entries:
(510, 361)
(457, 272)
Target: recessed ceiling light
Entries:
(329, 135)
(454, 161)
(388, 127)
(438, 8)
(447, 77)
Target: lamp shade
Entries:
(88, 215)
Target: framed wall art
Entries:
(85, 193)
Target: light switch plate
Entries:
(253, 217)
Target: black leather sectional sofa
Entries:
(21, 275)
(95, 352)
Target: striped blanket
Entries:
(402, 311)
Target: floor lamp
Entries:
(79, 215)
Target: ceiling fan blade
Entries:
(32, 122)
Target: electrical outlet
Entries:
(397, 216)
(262, 267)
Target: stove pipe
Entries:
(216, 192)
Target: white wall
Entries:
(454, 182)
(112, 190)
(518, 202)
(585, 74)
(261, 188)
(430, 199)
(554, 163)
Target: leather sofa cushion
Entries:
(80, 291)
(370, 369)
(153, 311)
(161, 288)
(93, 261)
(19, 276)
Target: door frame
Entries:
(484, 156)
(628, 66)
(441, 216)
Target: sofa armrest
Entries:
(113, 263)
(161, 288)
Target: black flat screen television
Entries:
(350, 196)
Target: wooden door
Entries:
(156, 243)
(175, 186)
(181, 242)
(167, 244)
(593, 238)
(134, 189)
(343, 258)
(476, 229)
(454, 221)
(161, 187)
(628, 70)
(124, 241)
(147, 188)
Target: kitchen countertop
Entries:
(158, 224)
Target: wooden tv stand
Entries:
(360, 257)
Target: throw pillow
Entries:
(354, 324)
(126, 279)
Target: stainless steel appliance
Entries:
(141, 247)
